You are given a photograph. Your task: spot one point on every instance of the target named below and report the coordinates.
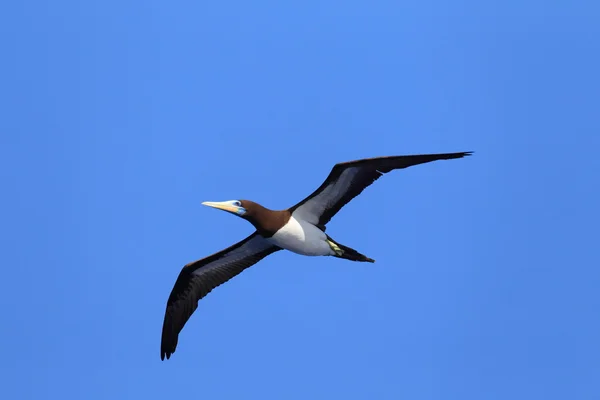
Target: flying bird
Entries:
(299, 229)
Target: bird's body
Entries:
(299, 229)
(302, 237)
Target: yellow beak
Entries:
(222, 205)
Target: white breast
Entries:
(303, 238)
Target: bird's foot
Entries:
(335, 248)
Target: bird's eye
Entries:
(238, 203)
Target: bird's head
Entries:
(233, 206)
(262, 218)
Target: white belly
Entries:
(303, 238)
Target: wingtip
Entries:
(460, 154)
(166, 352)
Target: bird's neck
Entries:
(267, 221)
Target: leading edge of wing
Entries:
(399, 162)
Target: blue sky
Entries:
(120, 118)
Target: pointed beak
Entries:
(225, 206)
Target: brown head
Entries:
(266, 221)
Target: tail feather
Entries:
(351, 254)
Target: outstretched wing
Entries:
(198, 278)
(347, 180)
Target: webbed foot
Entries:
(335, 248)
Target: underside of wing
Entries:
(200, 277)
(347, 180)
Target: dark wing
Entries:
(198, 278)
(347, 180)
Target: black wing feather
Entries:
(366, 171)
(200, 277)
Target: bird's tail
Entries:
(348, 253)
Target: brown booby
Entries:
(300, 229)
